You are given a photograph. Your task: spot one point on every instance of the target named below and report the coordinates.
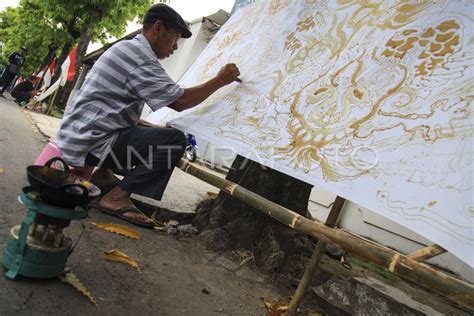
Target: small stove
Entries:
(38, 248)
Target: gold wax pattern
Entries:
(370, 100)
(435, 46)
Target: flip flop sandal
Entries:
(104, 189)
(145, 208)
(119, 213)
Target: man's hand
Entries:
(195, 95)
(228, 74)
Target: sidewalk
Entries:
(47, 125)
(183, 192)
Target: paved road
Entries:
(19, 147)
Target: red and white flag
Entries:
(67, 68)
(48, 75)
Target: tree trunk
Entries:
(49, 57)
(64, 92)
(227, 224)
(82, 45)
(46, 62)
(62, 57)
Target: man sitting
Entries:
(25, 90)
(101, 126)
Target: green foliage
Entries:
(7, 20)
(28, 25)
(3, 59)
(99, 18)
(38, 23)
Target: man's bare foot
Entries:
(117, 199)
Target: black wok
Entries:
(61, 188)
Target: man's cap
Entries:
(169, 17)
(24, 48)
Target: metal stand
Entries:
(38, 248)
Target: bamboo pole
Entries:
(454, 289)
(426, 253)
(51, 102)
(313, 264)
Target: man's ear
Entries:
(157, 26)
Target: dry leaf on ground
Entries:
(212, 195)
(71, 279)
(118, 256)
(278, 308)
(157, 225)
(2, 170)
(119, 229)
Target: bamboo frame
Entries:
(51, 102)
(313, 264)
(420, 273)
(426, 253)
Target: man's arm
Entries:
(195, 95)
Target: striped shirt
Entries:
(112, 97)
